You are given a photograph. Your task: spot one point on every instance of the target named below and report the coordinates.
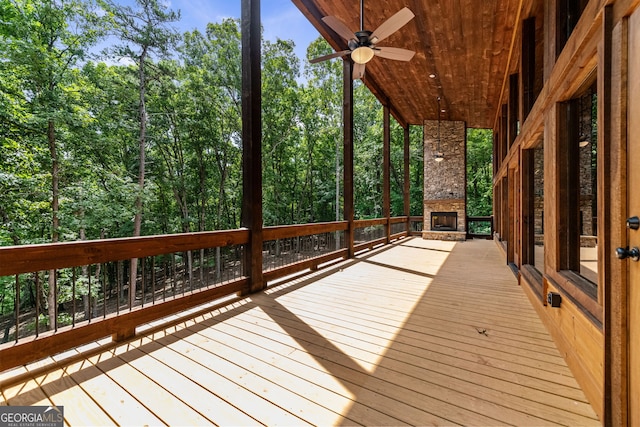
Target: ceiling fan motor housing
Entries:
(363, 38)
(362, 44)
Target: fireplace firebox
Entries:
(444, 221)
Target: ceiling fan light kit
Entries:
(362, 44)
(362, 55)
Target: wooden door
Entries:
(633, 159)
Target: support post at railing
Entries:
(251, 216)
(407, 180)
(386, 160)
(347, 113)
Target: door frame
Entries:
(619, 123)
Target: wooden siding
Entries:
(419, 332)
(580, 342)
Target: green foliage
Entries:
(192, 141)
(479, 172)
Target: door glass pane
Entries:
(588, 149)
(538, 206)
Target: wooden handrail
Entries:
(398, 219)
(480, 218)
(361, 223)
(472, 219)
(30, 258)
(287, 231)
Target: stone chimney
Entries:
(445, 189)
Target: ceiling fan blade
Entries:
(339, 27)
(396, 53)
(358, 71)
(330, 56)
(392, 25)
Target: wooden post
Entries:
(527, 67)
(407, 179)
(504, 144)
(251, 216)
(551, 50)
(347, 123)
(512, 127)
(552, 186)
(613, 279)
(497, 147)
(527, 203)
(386, 167)
(512, 184)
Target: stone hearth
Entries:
(445, 181)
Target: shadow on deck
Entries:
(419, 332)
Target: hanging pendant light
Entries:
(439, 155)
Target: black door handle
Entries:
(633, 253)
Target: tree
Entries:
(43, 42)
(143, 31)
(367, 163)
(479, 172)
(280, 160)
(213, 79)
(321, 120)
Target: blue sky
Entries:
(280, 19)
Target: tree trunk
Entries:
(55, 221)
(137, 221)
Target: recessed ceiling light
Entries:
(433, 76)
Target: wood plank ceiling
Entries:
(465, 43)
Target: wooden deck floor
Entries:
(420, 333)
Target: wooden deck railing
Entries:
(293, 248)
(91, 280)
(480, 227)
(416, 224)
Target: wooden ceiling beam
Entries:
(311, 11)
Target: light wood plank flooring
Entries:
(419, 333)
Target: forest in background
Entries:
(143, 136)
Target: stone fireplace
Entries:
(445, 181)
(444, 221)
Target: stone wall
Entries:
(538, 193)
(445, 181)
(586, 192)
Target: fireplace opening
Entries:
(444, 221)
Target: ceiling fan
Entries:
(363, 44)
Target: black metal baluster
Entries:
(89, 292)
(104, 291)
(73, 296)
(153, 279)
(17, 305)
(118, 287)
(38, 296)
(142, 281)
(55, 299)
